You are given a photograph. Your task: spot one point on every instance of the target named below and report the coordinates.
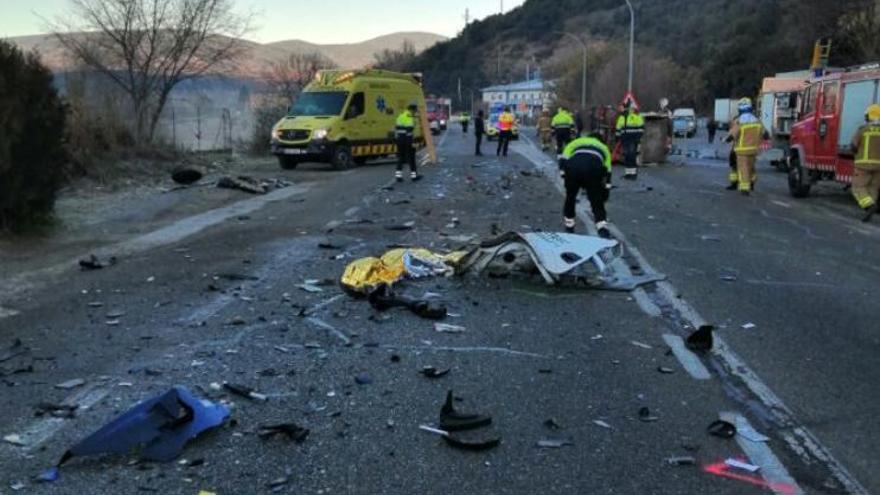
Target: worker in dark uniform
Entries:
(404, 132)
(586, 164)
(479, 130)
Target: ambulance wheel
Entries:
(287, 162)
(798, 182)
(342, 157)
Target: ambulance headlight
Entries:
(276, 134)
(320, 133)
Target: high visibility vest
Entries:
(405, 124)
(868, 154)
(562, 120)
(749, 139)
(505, 121)
(632, 123)
(588, 146)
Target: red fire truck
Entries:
(831, 110)
(438, 113)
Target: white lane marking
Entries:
(41, 430)
(736, 366)
(330, 328)
(689, 361)
(169, 234)
(772, 470)
(499, 350)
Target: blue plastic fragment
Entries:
(160, 427)
(48, 476)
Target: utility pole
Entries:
(502, 6)
(467, 16)
(632, 37)
(459, 92)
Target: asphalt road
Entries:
(221, 303)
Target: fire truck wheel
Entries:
(798, 181)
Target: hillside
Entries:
(732, 45)
(345, 55)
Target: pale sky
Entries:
(318, 21)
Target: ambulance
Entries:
(346, 117)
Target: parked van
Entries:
(346, 118)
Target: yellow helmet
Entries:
(873, 112)
(746, 101)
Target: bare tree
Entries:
(288, 78)
(861, 28)
(396, 59)
(148, 47)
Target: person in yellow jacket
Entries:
(629, 129)
(545, 131)
(404, 133)
(586, 164)
(506, 122)
(866, 176)
(746, 133)
(562, 124)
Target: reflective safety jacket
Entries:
(465, 117)
(562, 120)
(747, 132)
(405, 124)
(505, 121)
(587, 146)
(630, 124)
(866, 143)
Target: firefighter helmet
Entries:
(873, 113)
(745, 105)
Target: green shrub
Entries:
(32, 132)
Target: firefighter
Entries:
(544, 130)
(562, 125)
(732, 176)
(746, 132)
(629, 129)
(505, 130)
(404, 132)
(866, 176)
(586, 164)
(464, 119)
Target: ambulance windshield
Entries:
(318, 103)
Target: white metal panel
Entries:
(856, 98)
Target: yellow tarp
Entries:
(361, 275)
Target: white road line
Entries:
(689, 361)
(760, 454)
(803, 440)
(330, 328)
(499, 350)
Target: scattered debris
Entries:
(721, 429)
(244, 391)
(432, 372)
(14, 439)
(684, 460)
(713, 238)
(701, 339)
(243, 183)
(363, 379)
(729, 278)
(552, 424)
(310, 286)
(401, 227)
(14, 350)
(736, 463)
(665, 370)
(48, 476)
(278, 482)
(159, 427)
(70, 384)
(383, 297)
(645, 415)
(290, 430)
(640, 344)
(188, 174)
(64, 411)
(452, 420)
(94, 263)
(748, 326)
(364, 275)
(599, 422)
(447, 328)
(16, 486)
(553, 443)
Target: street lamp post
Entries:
(583, 68)
(632, 36)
